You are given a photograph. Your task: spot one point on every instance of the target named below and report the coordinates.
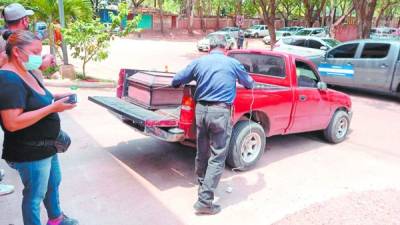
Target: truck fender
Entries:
(258, 117)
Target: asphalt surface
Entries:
(113, 175)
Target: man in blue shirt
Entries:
(215, 76)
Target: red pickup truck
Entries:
(288, 98)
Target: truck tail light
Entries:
(120, 84)
(187, 108)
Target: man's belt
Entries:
(219, 104)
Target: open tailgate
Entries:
(161, 126)
(137, 114)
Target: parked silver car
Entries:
(204, 44)
(307, 46)
(282, 32)
(234, 31)
(388, 33)
(256, 31)
(316, 31)
(364, 64)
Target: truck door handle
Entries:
(302, 98)
(383, 66)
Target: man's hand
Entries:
(48, 61)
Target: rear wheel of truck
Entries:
(338, 128)
(247, 145)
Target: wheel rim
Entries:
(342, 127)
(251, 147)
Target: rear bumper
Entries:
(145, 121)
(170, 135)
(173, 134)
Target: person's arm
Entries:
(243, 77)
(48, 61)
(17, 119)
(184, 76)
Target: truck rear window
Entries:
(375, 50)
(262, 64)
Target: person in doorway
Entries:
(215, 75)
(30, 121)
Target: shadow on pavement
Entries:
(167, 165)
(366, 94)
(95, 189)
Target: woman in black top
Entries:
(29, 114)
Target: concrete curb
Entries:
(79, 84)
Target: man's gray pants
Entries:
(214, 129)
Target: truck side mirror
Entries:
(322, 86)
(324, 48)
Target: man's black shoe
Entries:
(206, 210)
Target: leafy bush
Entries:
(89, 40)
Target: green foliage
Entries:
(88, 41)
(117, 20)
(47, 10)
(7, 2)
(249, 9)
(172, 6)
(50, 71)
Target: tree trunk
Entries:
(84, 69)
(323, 17)
(160, 6)
(286, 21)
(308, 13)
(318, 12)
(238, 11)
(339, 21)
(382, 10)
(189, 13)
(364, 10)
(201, 14)
(218, 15)
(268, 12)
(332, 13)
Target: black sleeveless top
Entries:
(15, 93)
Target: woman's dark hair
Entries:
(19, 39)
(6, 34)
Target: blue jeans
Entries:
(41, 180)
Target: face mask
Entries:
(33, 63)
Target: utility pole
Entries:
(62, 22)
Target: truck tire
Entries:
(338, 128)
(256, 35)
(247, 145)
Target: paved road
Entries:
(113, 175)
